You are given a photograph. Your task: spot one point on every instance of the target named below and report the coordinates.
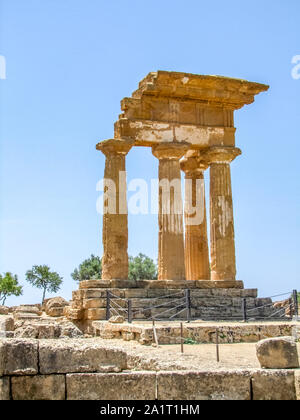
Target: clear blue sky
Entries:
(70, 62)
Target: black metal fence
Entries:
(285, 309)
(179, 306)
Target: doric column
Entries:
(170, 217)
(115, 224)
(196, 244)
(222, 247)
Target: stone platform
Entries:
(95, 369)
(195, 331)
(207, 301)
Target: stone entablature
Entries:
(172, 106)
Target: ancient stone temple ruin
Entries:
(188, 121)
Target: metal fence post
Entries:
(129, 310)
(107, 305)
(181, 336)
(244, 309)
(154, 333)
(217, 345)
(295, 300)
(188, 304)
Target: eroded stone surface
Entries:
(38, 387)
(65, 356)
(18, 357)
(4, 389)
(233, 385)
(4, 310)
(278, 353)
(97, 386)
(273, 385)
(55, 306)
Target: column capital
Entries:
(115, 146)
(221, 154)
(193, 165)
(170, 150)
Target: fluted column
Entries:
(115, 223)
(222, 246)
(170, 217)
(196, 243)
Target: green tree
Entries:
(41, 277)
(91, 268)
(9, 286)
(142, 267)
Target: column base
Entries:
(161, 284)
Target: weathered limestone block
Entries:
(4, 389)
(120, 386)
(94, 303)
(27, 331)
(116, 319)
(26, 316)
(277, 353)
(55, 306)
(217, 385)
(38, 387)
(77, 294)
(65, 356)
(6, 323)
(94, 284)
(4, 310)
(73, 313)
(68, 329)
(93, 294)
(135, 293)
(48, 331)
(95, 313)
(18, 356)
(56, 311)
(31, 309)
(273, 385)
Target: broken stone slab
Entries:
(18, 356)
(117, 319)
(6, 323)
(28, 331)
(73, 314)
(4, 389)
(48, 331)
(25, 316)
(118, 386)
(55, 306)
(68, 329)
(4, 310)
(278, 353)
(31, 309)
(71, 355)
(273, 385)
(38, 387)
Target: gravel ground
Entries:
(195, 357)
